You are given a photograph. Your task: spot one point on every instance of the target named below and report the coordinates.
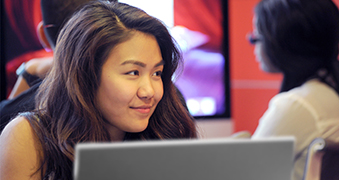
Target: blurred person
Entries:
(299, 38)
(110, 81)
(20, 19)
(54, 14)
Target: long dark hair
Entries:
(66, 110)
(300, 37)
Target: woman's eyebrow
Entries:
(138, 63)
(141, 64)
(161, 63)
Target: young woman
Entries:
(110, 81)
(299, 38)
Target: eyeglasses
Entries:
(48, 26)
(253, 39)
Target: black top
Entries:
(22, 103)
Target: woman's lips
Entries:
(142, 109)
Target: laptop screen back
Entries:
(208, 159)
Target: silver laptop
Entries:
(204, 159)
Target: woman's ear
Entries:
(42, 37)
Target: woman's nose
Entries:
(146, 90)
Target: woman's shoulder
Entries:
(20, 149)
(18, 128)
(314, 95)
(312, 89)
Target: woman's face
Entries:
(131, 85)
(261, 57)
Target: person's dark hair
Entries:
(67, 111)
(55, 13)
(299, 37)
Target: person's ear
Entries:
(42, 37)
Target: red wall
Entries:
(251, 89)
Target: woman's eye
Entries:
(158, 73)
(134, 73)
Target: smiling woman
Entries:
(110, 81)
(131, 86)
